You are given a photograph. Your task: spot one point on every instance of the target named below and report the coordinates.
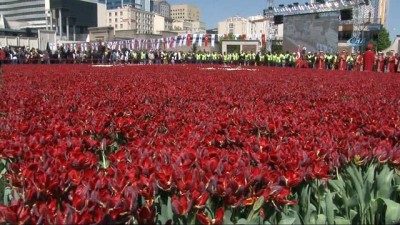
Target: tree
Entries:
(383, 41)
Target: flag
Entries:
(188, 40)
(263, 40)
(200, 39)
(175, 42)
(171, 42)
(194, 38)
(181, 41)
(212, 40)
(206, 40)
(244, 37)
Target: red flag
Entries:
(206, 40)
(149, 44)
(164, 41)
(263, 40)
(189, 40)
(171, 42)
(243, 36)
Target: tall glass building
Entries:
(139, 4)
(63, 16)
(24, 13)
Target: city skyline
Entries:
(212, 12)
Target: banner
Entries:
(180, 41)
(212, 40)
(263, 40)
(171, 42)
(175, 42)
(158, 43)
(184, 43)
(194, 38)
(206, 40)
(188, 40)
(200, 39)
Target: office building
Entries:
(161, 7)
(139, 4)
(185, 12)
(131, 18)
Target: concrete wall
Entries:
(19, 41)
(244, 45)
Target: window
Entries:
(121, 26)
(115, 13)
(121, 13)
(109, 20)
(115, 20)
(116, 26)
(231, 28)
(109, 14)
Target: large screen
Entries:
(315, 32)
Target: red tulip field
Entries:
(190, 144)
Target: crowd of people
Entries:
(366, 61)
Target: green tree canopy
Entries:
(383, 41)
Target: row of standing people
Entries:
(368, 61)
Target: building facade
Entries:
(24, 14)
(186, 26)
(233, 25)
(185, 12)
(161, 7)
(64, 17)
(131, 18)
(139, 4)
(161, 24)
(253, 27)
(382, 11)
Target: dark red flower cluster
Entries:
(90, 145)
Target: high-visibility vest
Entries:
(349, 58)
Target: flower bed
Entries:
(141, 144)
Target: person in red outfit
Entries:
(321, 60)
(392, 62)
(369, 58)
(359, 61)
(342, 60)
(2, 56)
(380, 63)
